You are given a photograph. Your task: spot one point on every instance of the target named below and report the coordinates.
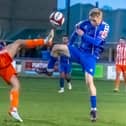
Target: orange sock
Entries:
(14, 98)
(32, 43)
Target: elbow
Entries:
(97, 42)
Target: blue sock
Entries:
(93, 102)
(61, 82)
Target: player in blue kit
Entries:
(64, 65)
(93, 33)
(64, 68)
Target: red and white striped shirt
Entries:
(121, 54)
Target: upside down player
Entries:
(65, 68)
(8, 73)
(93, 33)
(64, 64)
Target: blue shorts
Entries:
(66, 68)
(86, 60)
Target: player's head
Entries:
(65, 39)
(95, 16)
(122, 40)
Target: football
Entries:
(57, 19)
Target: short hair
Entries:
(124, 38)
(95, 12)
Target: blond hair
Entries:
(95, 12)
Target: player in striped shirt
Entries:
(120, 62)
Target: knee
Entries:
(62, 75)
(89, 80)
(15, 86)
(20, 43)
(15, 82)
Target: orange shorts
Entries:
(6, 68)
(120, 68)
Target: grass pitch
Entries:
(41, 105)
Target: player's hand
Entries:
(79, 32)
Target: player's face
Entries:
(65, 40)
(95, 21)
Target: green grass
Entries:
(41, 105)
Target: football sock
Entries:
(93, 102)
(61, 82)
(32, 43)
(68, 80)
(14, 99)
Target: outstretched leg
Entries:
(29, 43)
(9, 73)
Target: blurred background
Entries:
(22, 19)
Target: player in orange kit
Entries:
(7, 71)
(120, 62)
